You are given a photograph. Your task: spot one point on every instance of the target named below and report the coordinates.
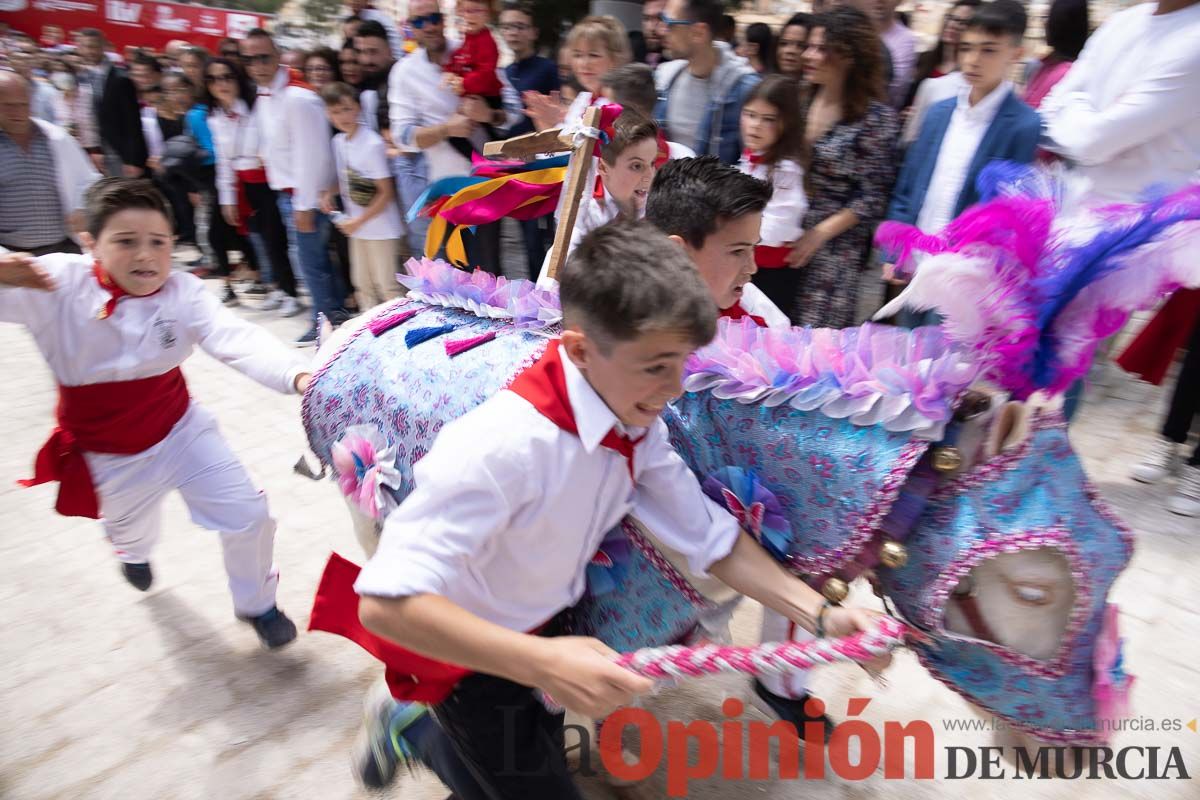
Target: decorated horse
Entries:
(914, 459)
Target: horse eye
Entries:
(1033, 595)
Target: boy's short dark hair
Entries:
(109, 196)
(520, 6)
(709, 12)
(626, 279)
(371, 29)
(336, 92)
(632, 85)
(692, 197)
(629, 129)
(1000, 18)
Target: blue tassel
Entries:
(418, 335)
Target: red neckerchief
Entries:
(754, 158)
(544, 385)
(664, 151)
(115, 292)
(295, 78)
(736, 312)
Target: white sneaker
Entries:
(1161, 461)
(1186, 500)
(272, 301)
(290, 307)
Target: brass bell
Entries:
(893, 554)
(835, 590)
(946, 459)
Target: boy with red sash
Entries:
(715, 211)
(512, 501)
(114, 327)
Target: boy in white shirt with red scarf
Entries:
(486, 551)
(114, 327)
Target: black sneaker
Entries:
(307, 339)
(274, 629)
(791, 710)
(256, 288)
(230, 297)
(138, 575)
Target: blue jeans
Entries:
(411, 180)
(312, 249)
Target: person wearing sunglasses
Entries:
(702, 92)
(297, 151)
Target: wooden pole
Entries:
(578, 170)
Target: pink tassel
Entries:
(382, 325)
(463, 345)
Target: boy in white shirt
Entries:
(487, 550)
(371, 218)
(114, 327)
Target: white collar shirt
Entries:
(968, 125)
(507, 533)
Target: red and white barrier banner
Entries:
(140, 23)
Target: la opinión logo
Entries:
(735, 749)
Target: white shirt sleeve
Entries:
(34, 307)
(246, 347)
(403, 110)
(226, 185)
(782, 218)
(1163, 98)
(76, 173)
(458, 505)
(312, 149)
(669, 501)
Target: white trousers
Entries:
(778, 628)
(196, 460)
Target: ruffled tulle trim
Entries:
(904, 380)
(481, 293)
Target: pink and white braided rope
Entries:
(681, 661)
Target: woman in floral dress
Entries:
(851, 138)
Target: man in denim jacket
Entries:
(701, 92)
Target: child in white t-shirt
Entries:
(372, 219)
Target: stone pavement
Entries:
(108, 693)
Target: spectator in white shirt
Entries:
(298, 154)
(371, 219)
(1127, 115)
(902, 48)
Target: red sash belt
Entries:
(736, 312)
(771, 256)
(409, 676)
(121, 418)
(245, 210)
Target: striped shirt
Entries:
(31, 213)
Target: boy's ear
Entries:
(575, 345)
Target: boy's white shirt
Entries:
(145, 336)
(593, 213)
(295, 140)
(783, 218)
(509, 509)
(367, 154)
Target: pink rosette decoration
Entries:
(872, 375)
(366, 469)
(481, 293)
(1112, 685)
